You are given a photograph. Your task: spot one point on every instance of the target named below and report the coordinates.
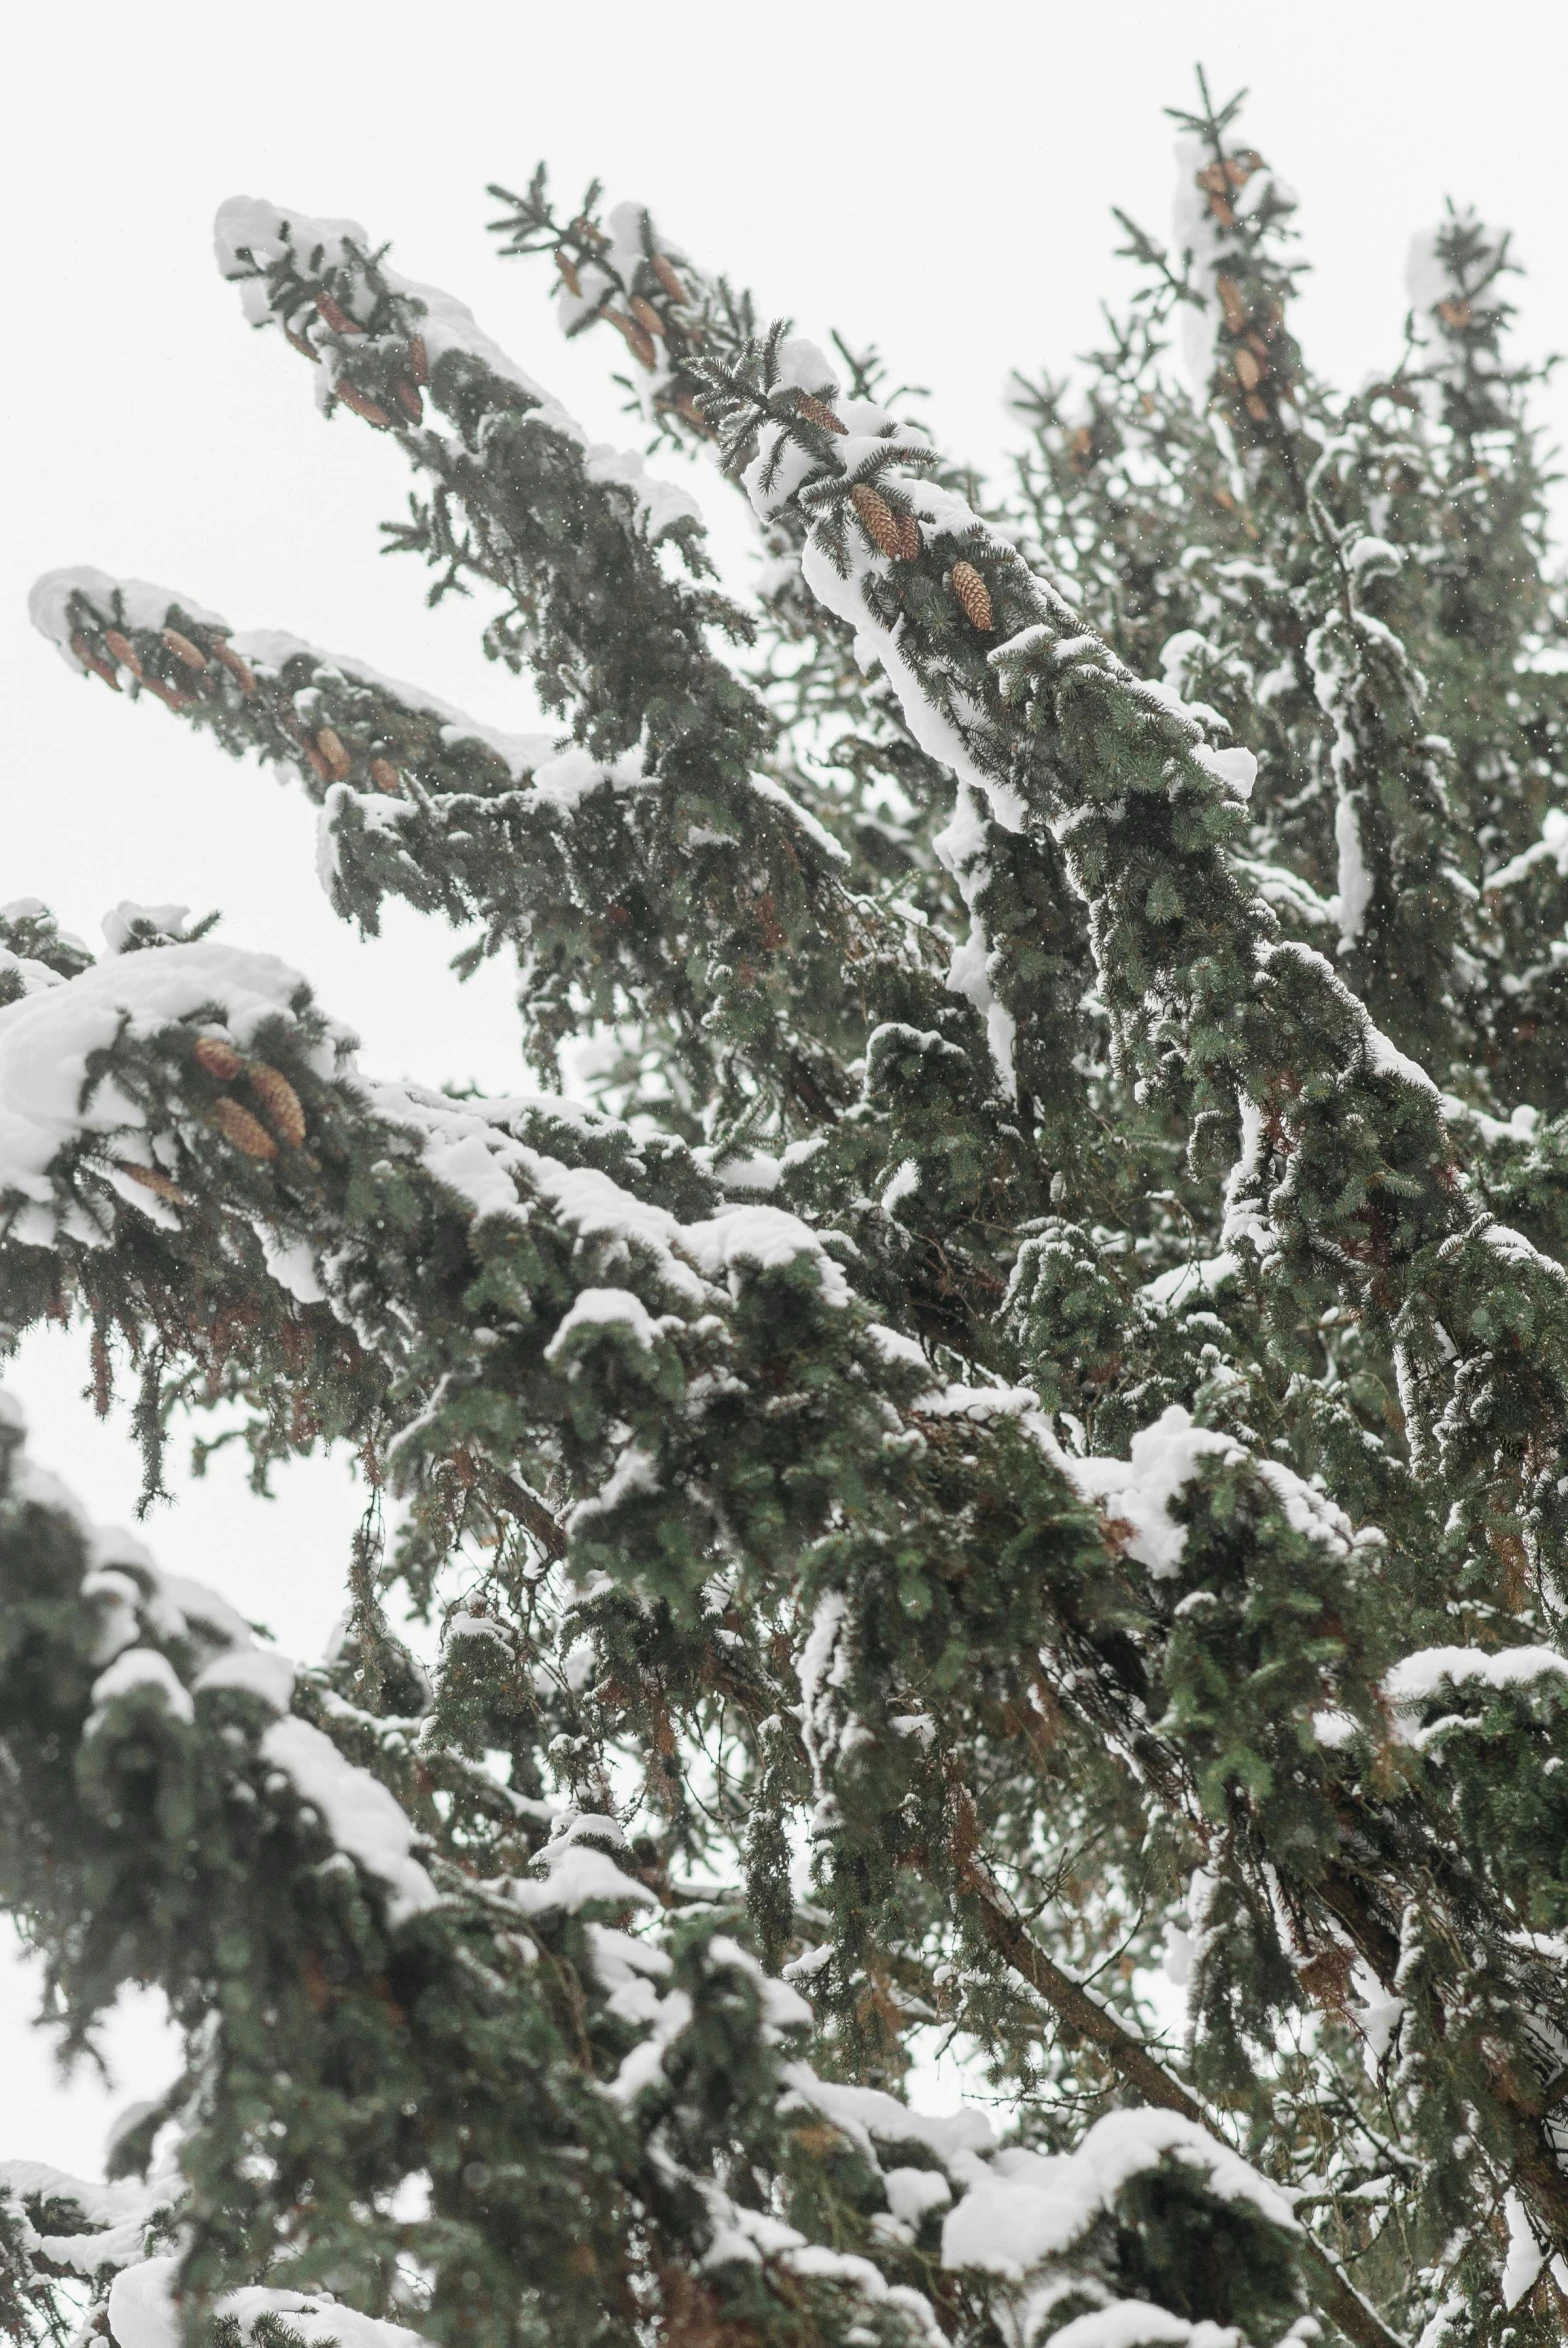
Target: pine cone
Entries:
(90, 660)
(151, 1179)
(637, 339)
(973, 597)
(1249, 368)
(183, 649)
(306, 350)
(668, 279)
(218, 1058)
(408, 399)
(1232, 304)
(817, 412)
(169, 695)
(124, 651)
(568, 268)
(877, 519)
(352, 397)
(908, 537)
(336, 316)
(1257, 409)
(331, 747)
(239, 669)
(646, 316)
(243, 1131)
(280, 1100)
(385, 776)
(1455, 315)
(418, 363)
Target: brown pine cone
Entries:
(243, 1131)
(646, 316)
(90, 660)
(818, 412)
(330, 745)
(183, 649)
(336, 316)
(638, 340)
(877, 519)
(408, 399)
(239, 669)
(568, 268)
(151, 1179)
(973, 597)
(909, 537)
(352, 397)
(169, 695)
(418, 364)
(124, 651)
(218, 1058)
(668, 279)
(280, 1100)
(1232, 304)
(385, 776)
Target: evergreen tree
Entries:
(1017, 1437)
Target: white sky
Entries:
(935, 179)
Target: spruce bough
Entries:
(1017, 1438)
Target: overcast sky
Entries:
(938, 180)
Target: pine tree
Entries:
(1018, 1436)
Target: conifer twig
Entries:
(1136, 2064)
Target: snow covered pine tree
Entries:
(1023, 1422)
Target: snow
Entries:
(119, 2213)
(1138, 1491)
(893, 1346)
(1028, 2206)
(1201, 1277)
(1526, 2255)
(1416, 1678)
(868, 2116)
(578, 1876)
(911, 2192)
(469, 1148)
(603, 1307)
(446, 324)
(566, 780)
(776, 796)
(142, 604)
(255, 1671)
(359, 1814)
(1551, 847)
(960, 847)
(578, 1872)
(762, 1239)
(1236, 769)
(1427, 279)
(120, 923)
(267, 651)
(143, 2313)
(139, 1668)
(1354, 893)
(1138, 2323)
(47, 1038)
